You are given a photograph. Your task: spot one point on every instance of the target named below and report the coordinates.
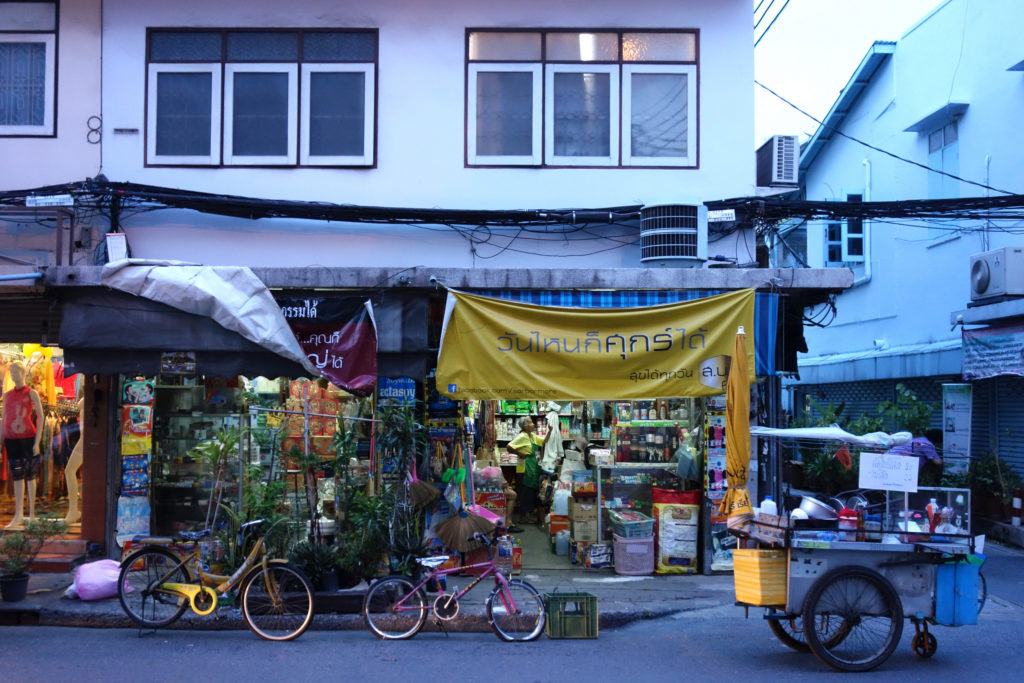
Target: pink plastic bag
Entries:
(97, 580)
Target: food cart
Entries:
(843, 591)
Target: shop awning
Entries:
(107, 332)
(766, 309)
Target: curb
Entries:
(1004, 533)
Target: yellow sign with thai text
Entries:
(497, 349)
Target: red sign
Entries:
(339, 338)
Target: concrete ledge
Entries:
(1006, 534)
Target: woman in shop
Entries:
(527, 445)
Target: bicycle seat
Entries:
(193, 535)
(432, 562)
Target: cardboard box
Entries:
(770, 529)
(584, 530)
(558, 523)
(582, 509)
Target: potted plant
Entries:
(17, 551)
(319, 561)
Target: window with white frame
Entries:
(943, 155)
(844, 240)
(28, 71)
(579, 98)
(261, 97)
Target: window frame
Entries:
(614, 124)
(690, 70)
(620, 67)
(216, 94)
(48, 127)
(369, 124)
(230, 70)
(221, 152)
(537, 128)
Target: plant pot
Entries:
(14, 588)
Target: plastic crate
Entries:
(759, 576)
(633, 556)
(631, 524)
(570, 615)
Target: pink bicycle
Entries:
(395, 608)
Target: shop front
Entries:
(634, 469)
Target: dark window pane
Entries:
(263, 46)
(855, 247)
(835, 253)
(183, 105)
(659, 109)
(935, 141)
(260, 123)
(854, 226)
(835, 232)
(22, 84)
(949, 134)
(339, 46)
(336, 107)
(504, 113)
(582, 114)
(184, 46)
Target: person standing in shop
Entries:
(527, 445)
(20, 433)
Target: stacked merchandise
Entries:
(318, 407)
(633, 536)
(675, 523)
(133, 506)
(586, 548)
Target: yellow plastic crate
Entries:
(760, 576)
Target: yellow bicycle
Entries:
(156, 586)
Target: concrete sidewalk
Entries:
(621, 601)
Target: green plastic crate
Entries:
(571, 615)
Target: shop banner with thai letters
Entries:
(338, 336)
(492, 348)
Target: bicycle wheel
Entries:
(872, 618)
(525, 622)
(394, 608)
(277, 601)
(790, 630)
(139, 587)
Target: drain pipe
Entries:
(20, 276)
(866, 227)
(988, 221)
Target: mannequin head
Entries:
(18, 373)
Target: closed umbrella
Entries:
(736, 503)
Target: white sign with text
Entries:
(888, 472)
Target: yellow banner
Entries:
(491, 348)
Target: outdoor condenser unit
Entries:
(999, 272)
(778, 161)
(676, 233)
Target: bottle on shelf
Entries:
(768, 506)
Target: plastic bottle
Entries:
(503, 559)
(562, 543)
(768, 506)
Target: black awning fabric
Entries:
(107, 332)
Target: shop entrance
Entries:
(41, 472)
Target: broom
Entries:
(457, 531)
(422, 494)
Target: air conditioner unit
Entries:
(996, 273)
(675, 233)
(778, 161)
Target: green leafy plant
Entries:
(216, 453)
(19, 548)
(316, 559)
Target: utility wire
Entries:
(765, 32)
(879, 149)
(763, 14)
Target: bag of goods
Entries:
(676, 530)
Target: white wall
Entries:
(420, 137)
(917, 280)
(31, 162)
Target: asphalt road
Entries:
(709, 644)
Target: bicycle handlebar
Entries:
(489, 539)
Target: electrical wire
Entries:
(769, 28)
(879, 149)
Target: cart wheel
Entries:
(982, 591)
(790, 630)
(924, 645)
(871, 618)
